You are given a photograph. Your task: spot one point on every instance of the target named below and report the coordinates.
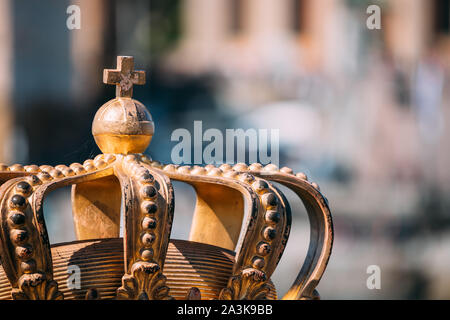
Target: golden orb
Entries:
(123, 125)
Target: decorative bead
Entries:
(18, 201)
(301, 175)
(33, 180)
(272, 216)
(148, 223)
(4, 167)
(271, 167)
(258, 262)
(77, 168)
(148, 238)
(209, 167)
(92, 294)
(146, 177)
(269, 200)
(146, 159)
(131, 157)
(60, 167)
(156, 164)
(46, 168)
(315, 185)
(245, 177)
(260, 185)
(32, 168)
(109, 158)
(184, 169)
(148, 192)
(255, 166)
(75, 165)
(147, 254)
(169, 167)
(263, 248)
(99, 157)
(193, 293)
(231, 174)
(89, 167)
(24, 188)
(68, 172)
(17, 218)
(198, 170)
(56, 174)
(44, 176)
(286, 170)
(240, 167)
(24, 252)
(100, 164)
(28, 266)
(216, 172)
(88, 161)
(225, 167)
(19, 236)
(149, 207)
(269, 233)
(17, 168)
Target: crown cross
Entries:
(124, 77)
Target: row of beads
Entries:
(61, 171)
(269, 200)
(148, 207)
(227, 170)
(23, 189)
(271, 218)
(17, 219)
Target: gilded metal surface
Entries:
(187, 265)
(240, 227)
(123, 125)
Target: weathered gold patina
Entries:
(240, 228)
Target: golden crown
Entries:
(239, 231)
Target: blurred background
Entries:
(364, 113)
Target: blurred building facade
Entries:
(378, 126)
